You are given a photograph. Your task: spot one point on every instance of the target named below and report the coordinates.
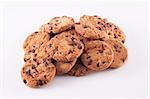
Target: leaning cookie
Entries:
(79, 69)
(120, 53)
(63, 67)
(57, 25)
(97, 55)
(34, 75)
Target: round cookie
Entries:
(90, 31)
(94, 20)
(34, 75)
(120, 53)
(97, 55)
(114, 32)
(33, 43)
(79, 69)
(57, 25)
(65, 47)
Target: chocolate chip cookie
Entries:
(120, 53)
(97, 55)
(94, 20)
(35, 75)
(113, 31)
(66, 47)
(33, 43)
(89, 31)
(57, 25)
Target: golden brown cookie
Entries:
(35, 75)
(57, 25)
(120, 53)
(97, 55)
(94, 20)
(90, 31)
(113, 32)
(33, 43)
(66, 47)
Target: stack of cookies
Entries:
(63, 46)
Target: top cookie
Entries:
(65, 47)
(95, 27)
(57, 24)
(94, 20)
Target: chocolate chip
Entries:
(85, 27)
(32, 50)
(79, 46)
(33, 66)
(25, 60)
(66, 35)
(115, 28)
(101, 51)
(98, 22)
(123, 60)
(28, 72)
(35, 32)
(115, 36)
(90, 62)
(53, 61)
(50, 45)
(34, 59)
(24, 81)
(39, 82)
(46, 63)
(72, 38)
(44, 82)
(123, 41)
(100, 29)
(108, 33)
(97, 65)
(70, 51)
(103, 62)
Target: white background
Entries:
(131, 80)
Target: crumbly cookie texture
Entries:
(97, 55)
(35, 75)
(79, 69)
(57, 25)
(120, 53)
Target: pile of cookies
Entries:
(63, 46)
